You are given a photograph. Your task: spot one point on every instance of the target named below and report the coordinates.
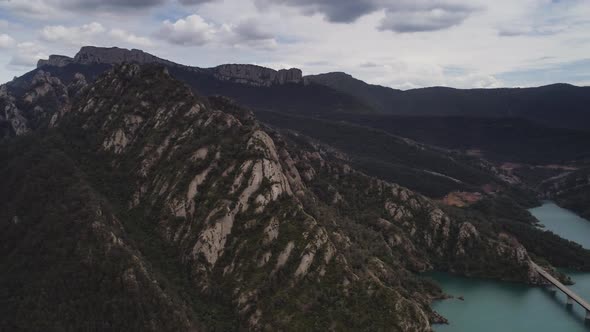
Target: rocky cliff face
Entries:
(231, 206)
(55, 60)
(237, 73)
(12, 120)
(113, 55)
(256, 75)
(274, 226)
(32, 106)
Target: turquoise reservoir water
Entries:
(492, 306)
(564, 223)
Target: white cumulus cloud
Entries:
(6, 41)
(75, 35)
(92, 34)
(130, 38)
(191, 30)
(27, 54)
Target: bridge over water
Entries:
(571, 296)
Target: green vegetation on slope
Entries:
(392, 158)
(66, 260)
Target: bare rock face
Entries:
(79, 82)
(24, 107)
(256, 75)
(113, 55)
(55, 60)
(231, 206)
(42, 85)
(293, 75)
(237, 73)
(11, 114)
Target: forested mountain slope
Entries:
(559, 105)
(220, 221)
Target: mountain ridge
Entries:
(319, 102)
(281, 230)
(556, 105)
(116, 55)
(240, 73)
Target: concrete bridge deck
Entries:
(570, 294)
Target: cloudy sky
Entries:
(398, 43)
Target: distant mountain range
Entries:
(246, 74)
(557, 105)
(340, 109)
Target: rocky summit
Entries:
(112, 55)
(238, 73)
(256, 75)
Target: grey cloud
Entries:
(346, 10)
(428, 5)
(248, 33)
(429, 19)
(193, 30)
(109, 4)
(250, 30)
(340, 11)
(401, 15)
(124, 4)
(48, 8)
(194, 2)
(28, 7)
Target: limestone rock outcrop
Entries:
(25, 107)
(112, 55)
(256, 75)
(115, 55)
(237, 73)
(55, 60)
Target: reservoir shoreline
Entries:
(492, 305)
